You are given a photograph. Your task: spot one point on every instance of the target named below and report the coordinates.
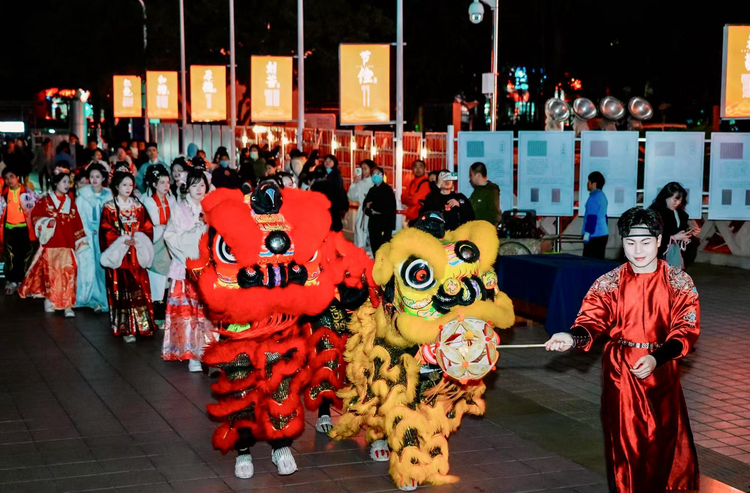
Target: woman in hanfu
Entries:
(92, 288)
(159, 203)
(53, 271)
(125, 236)
(187, 329)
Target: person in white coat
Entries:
(357, 193)
(160, 205)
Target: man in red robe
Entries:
(651, 314)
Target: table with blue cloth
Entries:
(549, 286)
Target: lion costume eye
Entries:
(467, 251)
(417, 274)
(224, 252)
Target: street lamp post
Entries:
(399, 98)
(476, 14)
(495, 44)
(183, 76)
(145, 44)
(300, 73)
(233, 89)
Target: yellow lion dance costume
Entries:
(416, 360)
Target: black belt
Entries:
(639, 345)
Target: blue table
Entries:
(556, 283)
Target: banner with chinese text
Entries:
(271, 88)
(208, 93)
(735, 88)
(364, 82)
(161, 95)
(126, 96)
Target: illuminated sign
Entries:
(161, 95)
(364, 81)
(735, 87)
(270, 88)
(126, 96)
(208, 93)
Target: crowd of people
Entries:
(72, 244)
(114, 231)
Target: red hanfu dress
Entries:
(128, 291)
(52, 274)
(649, 445)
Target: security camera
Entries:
(476, 12)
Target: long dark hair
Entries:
(153, 175)
(118, 178)
(670, 189)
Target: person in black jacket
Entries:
(336, 195)
(225, 176)
(380, 207)
(454, 206)
(670, 204)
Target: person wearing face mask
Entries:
(135, 155)
(92, 291)
(255, 163)
(333, 174)
(454, 206)
(380, 208)
(651, 315)
(225, 176)
(57, 224)
(357, 193)
(336, 195)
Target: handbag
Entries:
(673, 255)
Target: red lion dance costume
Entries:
(281, 286)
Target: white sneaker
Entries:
(48, 306)
(129, 339)
(243, 466)
(283, 459)
(69, 313)
(324, 424)
(194, 366)
(10, 288)
(379, 451)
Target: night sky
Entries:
(664, 50)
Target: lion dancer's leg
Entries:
(326, 344)
(260, 387)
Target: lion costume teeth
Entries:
(396, 392)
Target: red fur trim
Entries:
(308, 214)
(292, 430)
(231, 405)
(224, 438)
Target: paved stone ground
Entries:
(82, 411)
